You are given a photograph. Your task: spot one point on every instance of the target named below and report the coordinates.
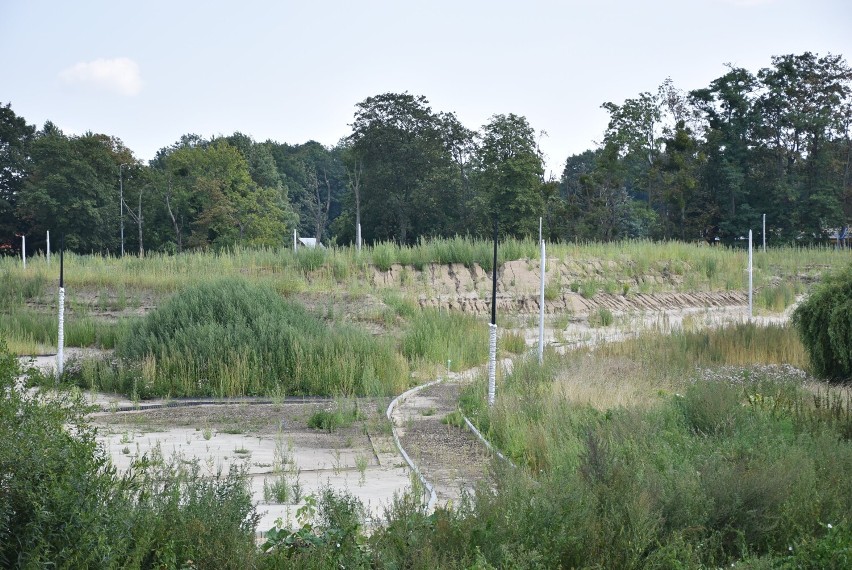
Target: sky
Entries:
(149, 72)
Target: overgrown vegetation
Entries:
(741, 462)
(824, 321)
(62, 504)
(230, 337)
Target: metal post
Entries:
(358, 237)
(121, 204)
(492, 328)
(295, 244)
(764, 233)
(24, 251)
(750, 306)
(48, 247)
(60, 344)
(541, 308)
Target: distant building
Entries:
(311, 243)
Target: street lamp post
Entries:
(121, 203)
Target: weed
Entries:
(362, 461)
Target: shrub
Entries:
(63, 505)
(824, 322)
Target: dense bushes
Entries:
(230, 338)
(824, 321)
(63, 505)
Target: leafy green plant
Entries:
(824, 322)
(343, 415)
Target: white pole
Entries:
(750, 306)
(48, 247)
(24, 251)
(492, 362)
(764, 233)
(295, 243)
(541, 308)
(60, 344)
(358, 237)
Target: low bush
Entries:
(63, 504)
(824, 321)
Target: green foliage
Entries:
(330, 535)
(16, 288)
(343, 415)
(229, 338)
(63, 504)
(40, 329)
(824, 321)
(705, 479)
(513, 342)
(436, 336)
(602, 317)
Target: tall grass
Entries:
(689, 264)
(230, 338)
(680, 451)
(35, 332)
(636, 373)
(435, 337)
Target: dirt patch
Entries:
(450, 458)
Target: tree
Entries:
(208, 188)
(16, 136)
(406, 165)
(806, 111)
(509, 176)
(72, 189)
(732, 117)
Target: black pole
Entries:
(494, 279)
(62, 261)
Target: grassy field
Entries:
(690, 450)
(701, 267)
(694, 449)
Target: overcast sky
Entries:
(148, 72)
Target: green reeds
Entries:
(231, 338)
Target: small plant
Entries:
(362, 461)
(601, 318)
(207, 433)
(588, 289)
(553, 288)
(455, 419)
(513, 342)
(342, 416)
(277, 490)
(428, 412)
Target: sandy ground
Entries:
(271, 441)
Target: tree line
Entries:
(708, 163)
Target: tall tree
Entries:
(509, 176)
(805, 107)
(732, 117)
(15, 139)
(73, 189)
(398, 140)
